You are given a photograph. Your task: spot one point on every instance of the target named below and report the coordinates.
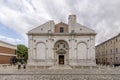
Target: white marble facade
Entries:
(61, 44)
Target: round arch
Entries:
(40, 42)
(40, 48)
(82, 42)
(61, 41)
(82, 50)
(61, 50)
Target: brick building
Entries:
(108, 52)
(7, 52)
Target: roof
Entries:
(8, 45)
(108, 40)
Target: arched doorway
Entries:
(61, 51)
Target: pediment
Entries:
(83, 29)
(44, 28)
(61, 51)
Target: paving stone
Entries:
(106, 73)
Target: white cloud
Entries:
(12, 40)
(20, 20)
(101, 15)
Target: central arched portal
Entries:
(61, 51)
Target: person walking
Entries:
(19, 65)
(24, 65)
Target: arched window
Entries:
(41, 51)
(82, 51)
(61, 29)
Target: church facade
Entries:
(61, 44)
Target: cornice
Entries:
(61, 34)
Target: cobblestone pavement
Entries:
(59, 77)
(64, 74)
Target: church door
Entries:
(61, 59)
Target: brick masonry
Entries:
(4, 59)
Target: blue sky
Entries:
(7, 31)
(17, 17)
(9, 35)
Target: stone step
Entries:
(60, 67)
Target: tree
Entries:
(22, 52)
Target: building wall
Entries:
(108, 52)
(73, 43)
(75, 35)
(6, 54)
(5, 59)
(7, 50)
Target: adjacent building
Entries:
(108, 52)
(61, 44)
(7, 52)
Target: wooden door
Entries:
(61, 59)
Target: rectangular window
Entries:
(61, 29)
(102, 59)
(111, 51)
(116, 40)
(116, 50)
(111, 59)
(116, 59)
